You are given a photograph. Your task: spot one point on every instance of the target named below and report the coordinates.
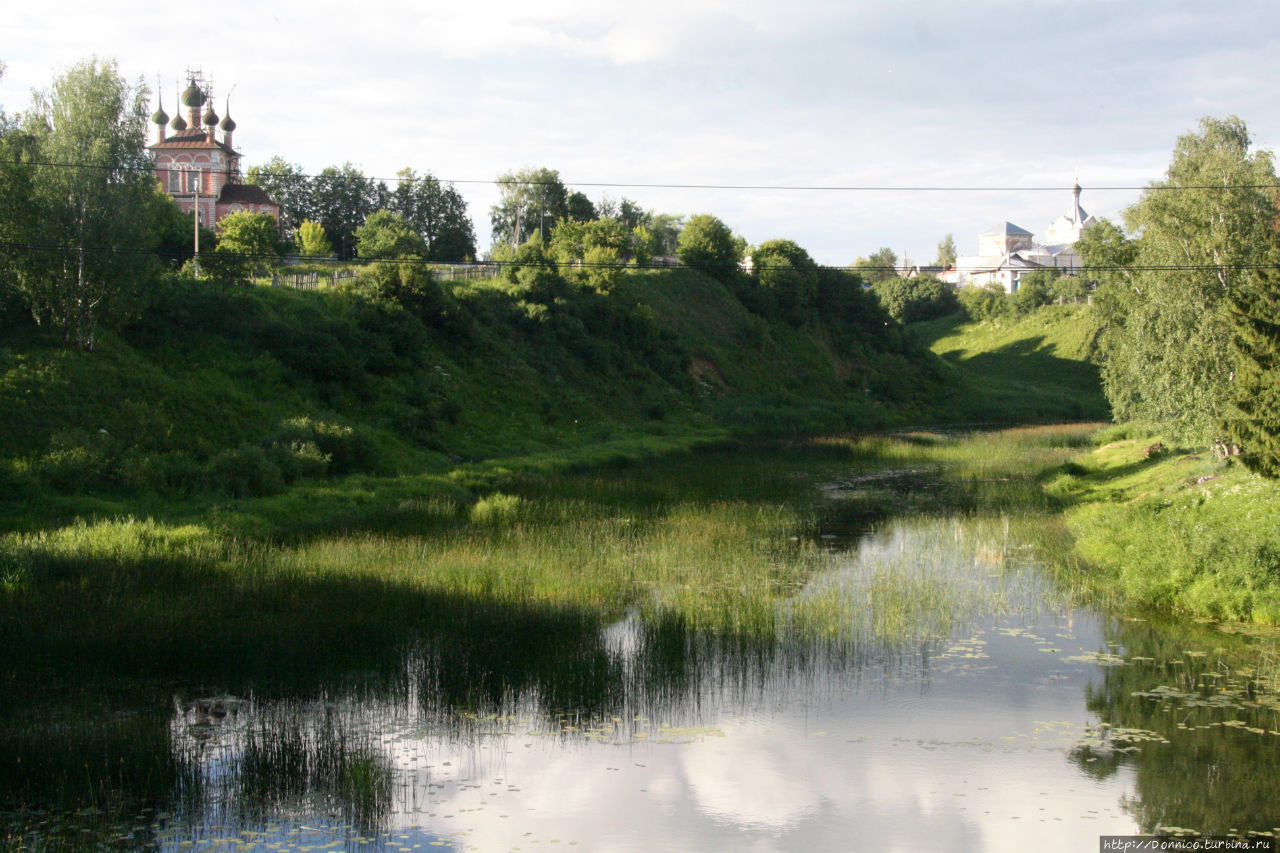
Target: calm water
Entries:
(960, 703)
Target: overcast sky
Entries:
(806, 93)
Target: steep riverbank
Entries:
(213, 398)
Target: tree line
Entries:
(341, 198)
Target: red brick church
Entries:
(193, 164)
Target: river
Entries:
(933, 685)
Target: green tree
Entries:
(289, 187)
(387, 235)
(1167, 350)
(666, 228)
(1252, 417)
(594, 251)
(532, 201)
(946, 253)
(251, 238)
(100, 214)
(707, 244)
(1108, 256)
(1034, 289)
(878, 266)
(629, 212)
(437, 212)
(786, 271)
(644, 245)
(921, 297)
(312, 241)
(580, 208)
(18, 218)
(342, 198)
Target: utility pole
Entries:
(196, 218)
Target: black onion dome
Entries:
(178, 123)
(228, 124)
(210, 117)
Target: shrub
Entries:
(348, 449)
(921, 297)
(172, 473)
(984, 303)
(298, 459)
(1034, 290)
(785, 270)
(245, 472)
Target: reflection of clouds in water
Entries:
(751, 781)
(930, 744)
(811, 793)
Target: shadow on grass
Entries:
(1026, 380)
(98, 655)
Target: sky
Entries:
(682, 105)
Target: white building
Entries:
(1007, 252)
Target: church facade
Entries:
(197, 165)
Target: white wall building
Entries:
(1007, 252)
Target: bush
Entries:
(1034, 290)
(298, 459)
(984, 303)
(785, 270)
(347, 449)
(922, 297)
(246, 472)
(173, 473)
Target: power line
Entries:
(901, 188)
(363, 262)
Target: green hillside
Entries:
(1039, 366)
(214, 396)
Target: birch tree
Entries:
(94, 192)
(1201, 232)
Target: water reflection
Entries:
(930, 688)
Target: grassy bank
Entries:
(1173, 529)
(1176, 530)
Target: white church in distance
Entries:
(1007, 252)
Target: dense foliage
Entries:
(921, 297)
(341, 199)
(1168, 358)
(1252, 418)
(706, 244)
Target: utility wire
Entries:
(738, 187)
(33, 248)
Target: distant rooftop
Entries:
(1006, 228)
